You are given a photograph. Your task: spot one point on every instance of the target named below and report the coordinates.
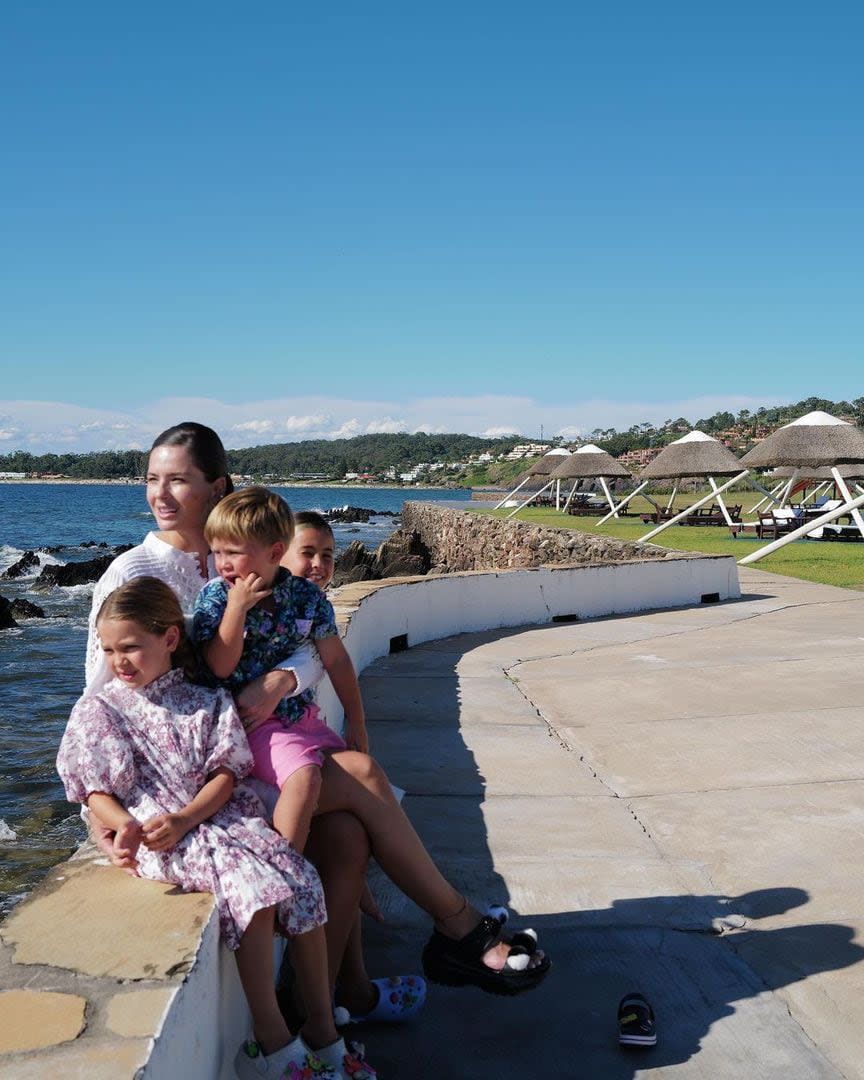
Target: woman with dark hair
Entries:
(187, 474)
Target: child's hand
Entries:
(164, 831)
(356, 736)
(244, 593)
(127, 840)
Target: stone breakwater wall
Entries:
(460, 540)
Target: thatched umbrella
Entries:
(817, 440)
(589, 462)
(541, 468)
(694, 454)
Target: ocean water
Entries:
(42, 662)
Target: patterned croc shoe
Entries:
(400, 998)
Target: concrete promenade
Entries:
(675, 801)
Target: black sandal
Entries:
(636, 1025)
(460, 963)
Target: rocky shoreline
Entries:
(431, 539)
(386, 562)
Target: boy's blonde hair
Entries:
(254, 513)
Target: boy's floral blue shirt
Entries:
(302, 614)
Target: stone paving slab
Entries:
(725, 751)
(445, 700)
(801, 836)
(640, 686)
(157, 940)
(448, 768)
(95, 1059)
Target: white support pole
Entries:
(566, 506)
(623, 503)
(507, 498)
(608, 495)
(720, 502)
(803, 530)
(558, 494)
(695, 506)
(769, 495)
(847, 495)
(530, 498)
(784, 494)
(816, 491)
(672, 496)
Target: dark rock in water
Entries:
(7, 622)
(405, 566)
(78, 573)
(93, 543)
(403, 554)
(51, 550)
(18, 569)
(354, 514)
(24, 609)
(356, 573)
(354, 564)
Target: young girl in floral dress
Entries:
(157, 758)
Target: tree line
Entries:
(333, 458)
(746, 423)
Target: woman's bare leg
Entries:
(355, 782)
(255, 965)
(338, 846)
(356, 991)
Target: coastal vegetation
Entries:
(320, 459)
(464, 460)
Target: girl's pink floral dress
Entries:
(153, 749)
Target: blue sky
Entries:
(292, 222)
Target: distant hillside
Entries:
(743, 429)
(321, 457)
(376, 454)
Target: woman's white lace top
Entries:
(152, 558)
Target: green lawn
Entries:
(832, 563)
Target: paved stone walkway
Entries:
(630, 786)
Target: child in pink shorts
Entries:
(251, 619)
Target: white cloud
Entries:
(259, 427)
(57, 426)
(349, 429)
(386, 426)
(498, 432)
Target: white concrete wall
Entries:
(208, 1018)
(437, 607)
